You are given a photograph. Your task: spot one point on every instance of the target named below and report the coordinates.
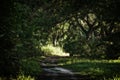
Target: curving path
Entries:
(52, 71)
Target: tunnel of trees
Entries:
(86, 28)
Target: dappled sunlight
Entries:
(50, 50)
(92, 67)
(23, 77)
(81, 36)
(91, 71)
(19, 77)
(96, 71)
(78, 60)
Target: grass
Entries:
(50, 50)
(114, 78)
(19, 77)
(109, 69)
(97, 69)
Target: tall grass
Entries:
(50, 50)
(19, 77)
(22, 77)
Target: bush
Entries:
(85, 48)
(49, 50)
(30, 67)
(73, 47)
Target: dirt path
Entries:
(52, 71)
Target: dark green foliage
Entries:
(73, 48)
(8, 59)
(28, 25)
(113, 46)
(30, 67)
(85, 49)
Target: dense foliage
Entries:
(84, 28)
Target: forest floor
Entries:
(53, 71)
(74, 68)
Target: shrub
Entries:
(85, 48)
(30, 67)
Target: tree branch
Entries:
(85, 31)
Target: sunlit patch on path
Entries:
(52, 71)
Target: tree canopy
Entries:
(88, 28)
